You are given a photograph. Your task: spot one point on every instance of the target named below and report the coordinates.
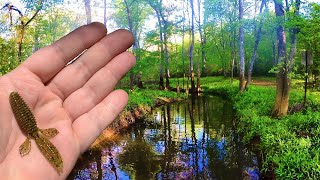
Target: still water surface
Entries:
(193, 139)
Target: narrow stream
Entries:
(194, 139)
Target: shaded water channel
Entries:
(193, 139)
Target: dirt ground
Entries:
(263, 82)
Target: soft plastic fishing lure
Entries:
(28, 125)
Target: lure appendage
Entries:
(28, 125)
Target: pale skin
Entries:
(78, 100)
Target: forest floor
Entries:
(262, 81)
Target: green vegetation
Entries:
(195, 39)
(289, 145)
(149, 97)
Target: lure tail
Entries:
(50, 152)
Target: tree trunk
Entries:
(161, 83)
(198, 76)
(165, 38)
(36, 41)
(232, 65)
(157, 7)
(255, 48)
(202, 40)
(241, 49)
(274, 52)
(233, 53)
(177, 68)
(182, 48)
(23, 25)
(283, 83)
(293, 39)
(135, 46)
(191, 49)
(203, 52)
(21, 37)
(88, 10)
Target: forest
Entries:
(263, 56)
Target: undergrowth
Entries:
(290, 145)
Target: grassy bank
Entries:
(289, 145)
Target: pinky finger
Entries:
(88, 126)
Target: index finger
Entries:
(48, 61)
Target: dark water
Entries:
(194, 139)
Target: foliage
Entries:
(309, 37)
(8, 60)
(138, 15)
(289, 145)
(52, 23)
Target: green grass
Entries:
(290, 145)
(148, 97)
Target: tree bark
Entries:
(255, 48)
(283, 83)
(88, 10)
(241, 49)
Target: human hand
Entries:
(78, 100)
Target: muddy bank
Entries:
(127, 118)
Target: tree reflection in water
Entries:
(139, 160)
(195, 139)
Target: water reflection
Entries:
(195, 139)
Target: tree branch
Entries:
(36, 13)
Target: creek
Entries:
(192, 139)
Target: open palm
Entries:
(77, 99)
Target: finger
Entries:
(48, 61)
(74, 76)
(99, 85)
(88, 126)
